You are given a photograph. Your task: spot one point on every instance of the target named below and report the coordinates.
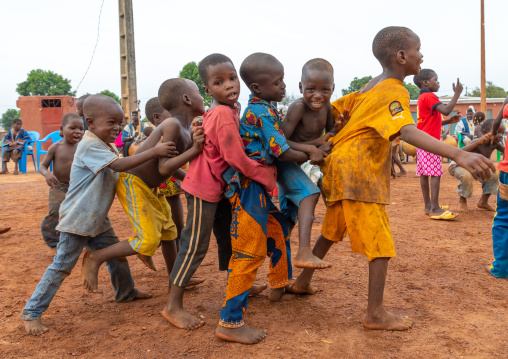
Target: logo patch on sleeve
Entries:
(395, 108)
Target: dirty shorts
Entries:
(148, 211)
(294, 185)
(367, 226)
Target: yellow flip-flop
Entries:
(442, 207)
(445, 216)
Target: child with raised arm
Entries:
(203, 184)
(61, 154)
(499, 268)
(84, 220)
(357, 172)
(484, 147)
(430, 121)
(137, 189)
(309, 121)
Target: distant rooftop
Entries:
(465, 100)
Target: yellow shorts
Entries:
(149, 212)
(367, 226)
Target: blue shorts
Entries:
(294, 185)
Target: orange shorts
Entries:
(367, 226)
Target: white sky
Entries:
(60, 35)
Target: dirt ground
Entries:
(438, 279)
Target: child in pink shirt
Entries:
(203, 183)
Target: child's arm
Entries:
(473, 162)
(231, 149)
(167, 149)
(497, 120)
(446, 110)
(481, 141)
(51, 180)
(168, 165)
(179, 174)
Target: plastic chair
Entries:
(54, 137)
(34, 136)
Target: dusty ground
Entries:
(438, 279)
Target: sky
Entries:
(60, 36)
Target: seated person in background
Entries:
(61, 153)
(465, 127)
(478, 119)
(13, 145)
(484, 146)
(131, 132)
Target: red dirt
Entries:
(438, 279)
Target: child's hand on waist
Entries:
(167, 149)
(51, 180)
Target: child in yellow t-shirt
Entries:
(357, 172)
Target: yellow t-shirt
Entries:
(358, 167)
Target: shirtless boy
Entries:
(310, 119)
(484, 146)
(137, 191)
(61, 154)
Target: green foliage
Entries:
(145, 120)
(288, 99)
(190, 72)
(110, 94)
(356, 84)
(493, 91)
(414, 91)
(45, 83)
(7, 117)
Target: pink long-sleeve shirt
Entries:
(223, 148)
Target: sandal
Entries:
(445, 216)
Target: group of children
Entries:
(234, 163)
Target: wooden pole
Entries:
(483, 79)
(127, 58)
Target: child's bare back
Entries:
(170, 128)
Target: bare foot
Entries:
(439, 211)
(192, 282)
(401, 173)
(463, 204)
(256, 289)
(305, 259)
(276, 294)
(383, 320)
(52, 251)
(181, 319)
(147, 261)
(89, 271)
(301, 288)
(34, 327)
(142, 294)
(244, 334)
(16, 172)
(4, 171)
(4, 229)
(488, 268)
(486, 206)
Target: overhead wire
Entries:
(95, 47)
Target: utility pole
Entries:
(127, 59)
(483, 79)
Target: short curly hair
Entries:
(424, 75)
(152, 107)
(390, 40)
(211, 60)
(317, 64)
(171, 93)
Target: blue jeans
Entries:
(500, 231)
(69, 249)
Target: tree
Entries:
(45, 83)
(110, 94)
(414, 91)
(492, 90)
(288, 99)
(190, 72)
(7, 117)
(356, 84)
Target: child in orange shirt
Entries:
(357, 172)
